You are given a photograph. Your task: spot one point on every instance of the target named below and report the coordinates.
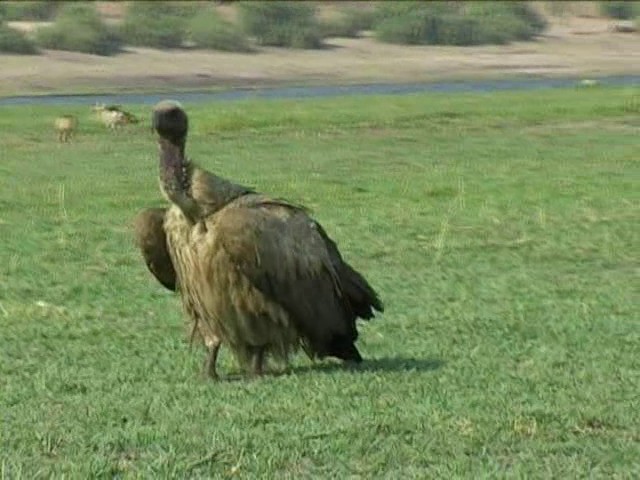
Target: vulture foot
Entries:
(257, 361)
(209, 370)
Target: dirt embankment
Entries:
(581, 47)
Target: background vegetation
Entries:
(14, 41)
(209, 30)
(79, 28)
(170, 24)
(456, 23)
(500, 229)
(281, 23)
(157, 24)
(622, 10)
(29, 10)
(348, 22)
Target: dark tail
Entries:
(361, 296)
(344, 349)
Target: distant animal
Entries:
(65, 125)
(255, 272)
(588, 82)
(129, 117)
(113, 116)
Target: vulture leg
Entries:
(257, 361)
(211, 360)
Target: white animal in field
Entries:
(588, 82)
(65, 125)
(112, 117)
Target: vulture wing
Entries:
(152, 241)
(282, 252)
(362, 297)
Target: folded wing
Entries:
(287, 256)
(152, 242)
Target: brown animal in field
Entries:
(255, 272)
(65, 125)
(112, 116)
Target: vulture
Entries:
(254, 272)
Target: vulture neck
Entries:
(175, 177)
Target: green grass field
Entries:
(502, 231)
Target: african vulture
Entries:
(255, 272)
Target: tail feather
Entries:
(362, 297)
(344, 349)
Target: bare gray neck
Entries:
(175, 177)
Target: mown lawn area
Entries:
(501, 230)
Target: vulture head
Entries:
(171, 123)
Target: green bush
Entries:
(524, 12)
(281, 24)
(349, 23)
(208, 30)
(510, 20)
(456, 23)
(620, 10)
(388, 10)
(415, 23)
(29, 10)
(360, 17)
(156, 23)
(78, 28)
(338, 27)
(14, 41)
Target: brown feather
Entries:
(279, 250)
(152, 242)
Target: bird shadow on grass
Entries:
(388, 364)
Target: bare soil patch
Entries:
(576, 46)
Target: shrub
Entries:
(524, 12)
(388, 10)
(620, 10)
(156, 23)
(208, 30)
(511, 20)
(456, 23)
(348, 23)
(14, 41)
(281, 24)
(338, 27)
(29, 10)
(362, 18)
(415, 23)
(78, 28)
